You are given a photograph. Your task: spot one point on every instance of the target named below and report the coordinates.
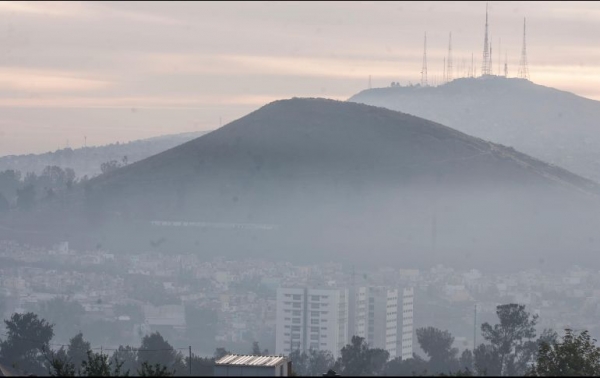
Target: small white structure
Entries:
(241, 365)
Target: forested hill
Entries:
(88, 160)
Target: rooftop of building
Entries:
(251, 360)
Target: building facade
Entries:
(311, 319)
(408, 296)
(383, 316)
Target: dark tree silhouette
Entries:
(27, 339)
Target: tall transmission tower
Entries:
(444, 75)
(499, 56)
(490, 63)
(424, 67)
(523, 67)
(449, 69)
(485, 65)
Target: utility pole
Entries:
(190, 360)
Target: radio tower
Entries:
(449, 70)
(424, 68)
(491, 62)
(523, 68)
(499, 57)
(485, 65)
(505, 65)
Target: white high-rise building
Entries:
(311, 319)
(408, 296)
(383, 318)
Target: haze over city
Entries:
(299, 189)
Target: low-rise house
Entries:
(240, 365)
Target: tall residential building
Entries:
(408, 296)
(383, 319)
(311, 319)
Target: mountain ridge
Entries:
(552, 125)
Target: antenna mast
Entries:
(485, 67)
(444, 76)
(424, 67)
(523, 68)
(449, 70)
(505, 65)
(499, 56)
(491, 62)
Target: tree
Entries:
(319, 361)
(311, 364)
(256, 350)
(577, 355)
(27, 339)
(220, 353)
(10, 181)
(408, 367)
(66, 316)
(156, 350)
(437, 344)
(156, 370)
(486, 360)
(358, 359)
(203, 367)
(466, 360)
(2, 305)
(128, 356)
(26, 197)
(59, 365)
(77, 350)
(4, 204)
(512, 338)
(109, 166)
(300, 363)
(99, 365)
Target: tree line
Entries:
(21, 191)
(510, 348)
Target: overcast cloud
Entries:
(120, 71)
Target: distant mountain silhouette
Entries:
(87, 160)
(323, 180)
(555, 126)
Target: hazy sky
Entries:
(118, 71)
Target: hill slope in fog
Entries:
(316, 179)
(552, 125)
